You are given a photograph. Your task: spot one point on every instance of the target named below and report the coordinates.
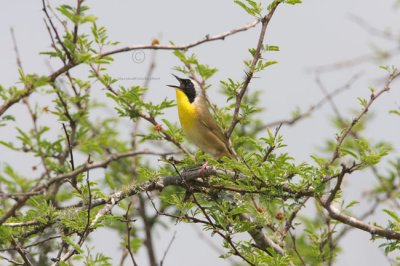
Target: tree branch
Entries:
(261, 239)
(128, 234)
(67, 53)
(364, 110)
(249, 75)
(206, 39)
(327, 98)
(167, 249)
(87, 166)
(17, 55)
(336, 214)
(52, 77)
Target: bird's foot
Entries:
(203, 167)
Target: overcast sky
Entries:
(315, 33)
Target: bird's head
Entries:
(190, 87)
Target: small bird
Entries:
(196, 120)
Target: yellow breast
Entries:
(186, 111)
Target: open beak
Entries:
(174, 86)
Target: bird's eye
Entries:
(188, 84)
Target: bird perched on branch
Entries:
(197, 121)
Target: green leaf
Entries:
(136, 243)
(262, 65)
(319, 160)
(346, 151)
(272, 48)
(9, 145)
(392, 214)
(73, 244)
(362, 101)
(293, 2)
(351, 204)
(251, 7)
(394, 112)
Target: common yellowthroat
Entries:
(196, 120)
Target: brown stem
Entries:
(249, 75)
(148, 226)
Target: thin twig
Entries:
(22, 224)
(69, 148)
(148, 226)
(353, 61)
(73, 180)
(17, 55)
(148, 117)
(293, 215)
(20, 194)
(86, 231)
(336, 214)
(76, 26)
(178, 218)
(89, 204)
(364, 110)
(249, 75)
(67, 53)
(337, 187)
(12, 261)
(168, 247)
(373, 30)
(327, 98)
(128, 234)
(296, 250)
(45, 184)
(207, 38)
(23, 253)
(331, 246)
(272, 147)
(69, 65)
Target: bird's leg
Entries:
(203, 167)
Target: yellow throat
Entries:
(186, 110)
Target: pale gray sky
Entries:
(314, 33)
